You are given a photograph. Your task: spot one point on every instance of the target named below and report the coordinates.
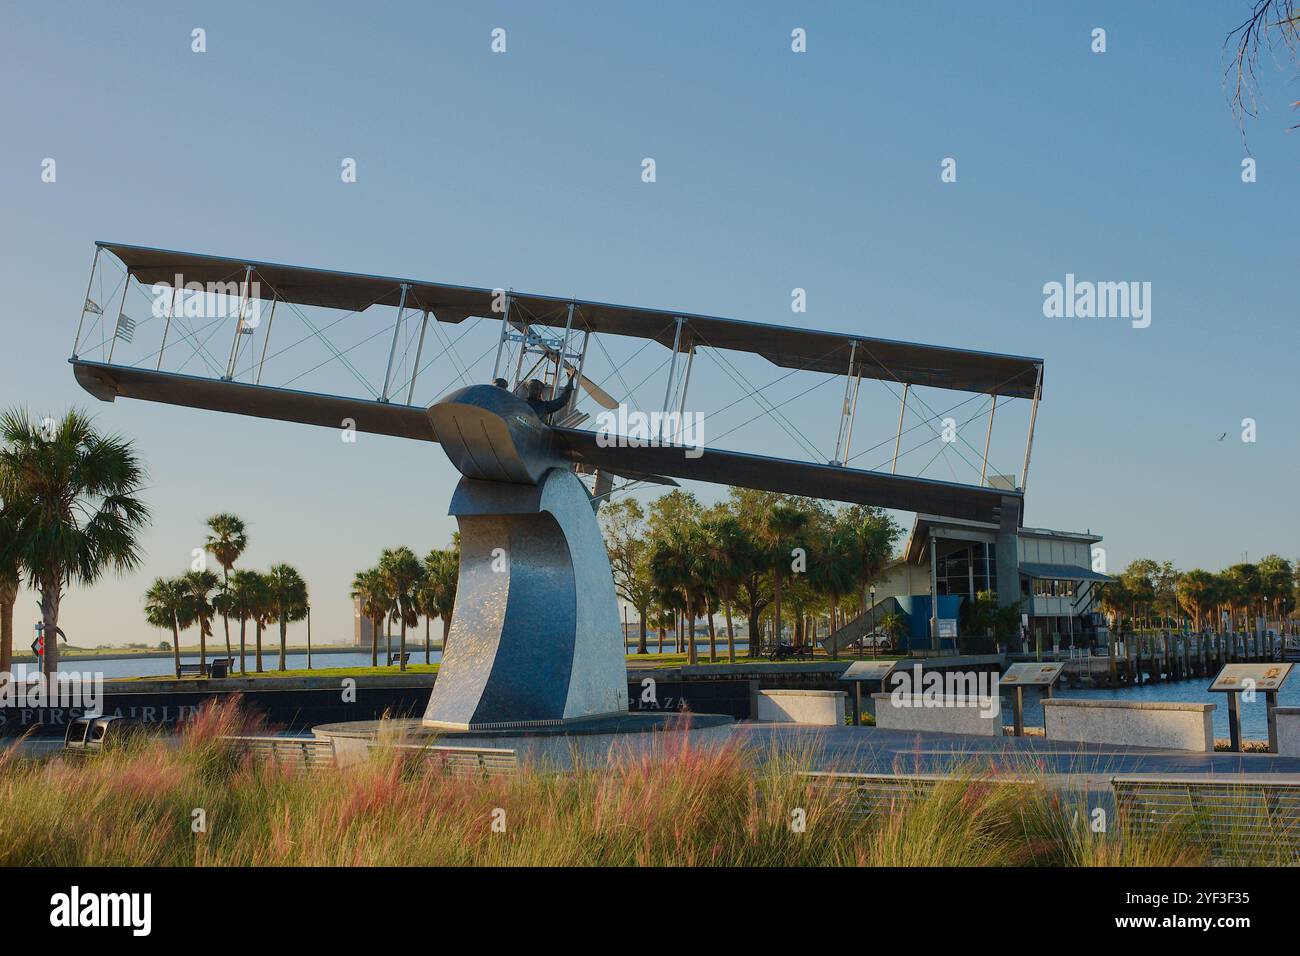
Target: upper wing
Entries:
(799, 348)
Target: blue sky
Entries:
(775, 170)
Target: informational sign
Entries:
(1238, 677)
(947, 627)
(1033, 675)
(868, 670)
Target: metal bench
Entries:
(871, 793)
(97, 734)
(1230, 816)
(467, 761)
(196, 669)
(302, 753)
(400, 658)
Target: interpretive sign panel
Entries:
(1032, 675)
(1239, 677)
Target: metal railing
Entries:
(1233, 818)
(301, 753)
(872, 793)
(466, 761)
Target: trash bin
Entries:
(217, 668)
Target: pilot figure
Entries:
(542, 407)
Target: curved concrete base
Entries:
(592, 741)
(535, 635)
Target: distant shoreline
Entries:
(213, 650)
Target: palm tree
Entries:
(874, 533)
(9, 580)
(893, 625)
(72, 494)
(200, 585)
(286, 594)
(730, 555)
(371, 591)
(1196, 595)
(1114, 597)
(441, 575)
(780, 530)
(264, 611)
(402, 572)
(835, 573)
(168, 604)
(227, 539)
(240, 599)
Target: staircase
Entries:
(860, 626)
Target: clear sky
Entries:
(775, 170)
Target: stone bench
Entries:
(1137, 724)
(957, 715)
(1288, 731)
(824, 708)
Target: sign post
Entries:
(1237, 679)
(1021, 676)
(860, 671)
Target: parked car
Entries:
(881, 642)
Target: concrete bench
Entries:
(1238, 819)
(1288, 731)
(1137, 724)
(301, 753)
(957, 715)
(823, 708)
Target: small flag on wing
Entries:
(125, 327)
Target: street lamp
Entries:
(875, 642)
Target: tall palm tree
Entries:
(168, 604)
(835, 573)
(226, 541)
(264, 611)
(403, 573)
(1276, 575)
(200, 585)
(240, 599)
(730, 554)
(780, 532)
(679, 568)
(876, 533)
(441, 575)
(9, 581)
(371, 591)
(286, 594)
(1114, 597)
(1196, 595)
(72, 494)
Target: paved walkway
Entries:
(871, 750)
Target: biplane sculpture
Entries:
(535, 637)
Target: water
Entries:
(1254, 717)
(112, 667)
(135, 666)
